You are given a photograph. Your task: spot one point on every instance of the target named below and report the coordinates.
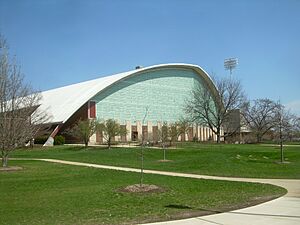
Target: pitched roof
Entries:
(61, 103)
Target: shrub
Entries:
(40, 140)
(59, 140)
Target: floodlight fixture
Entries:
(230, 64)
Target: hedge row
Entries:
(58, 140)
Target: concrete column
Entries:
(93, 139)
(159, 125)
(205, 133)
(128, 128)
(201, 133)
(139, 128)
(222, 133)
(150, 131)
(198, 133)
(195, 131)
(214, 137)
(99, 137)
(186, 135)
(209, 133)
(179, 138)
(118, 137)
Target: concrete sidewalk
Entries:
(281, 211)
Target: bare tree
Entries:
(178, 128)
(211, 108)
(174, 132)
(260, 116)
(83, 130)
(163, 134)
(183, 127)
(284, 126)
(19, 118)
(291, 131)
(297, 123)
(143, 146)
(296, 130)
(111, 128)
(163, 137)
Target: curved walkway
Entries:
(282, 211)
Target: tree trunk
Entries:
(183, 137)
(4, 159)
(218, 135)
(109, 142)
(281, 151)
(281, 145)
(142, 166)
(258, 138)
(218, 138)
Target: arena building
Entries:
(141, 100)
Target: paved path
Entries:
(281, 211)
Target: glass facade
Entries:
(156, 95)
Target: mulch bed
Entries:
(164, 160)
(144, 188)
(10, 168)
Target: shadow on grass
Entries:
(208, 211)
(172, 206)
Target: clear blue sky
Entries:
(59, 42)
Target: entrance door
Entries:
(134, 135)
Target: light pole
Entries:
(230, 64)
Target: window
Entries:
(92, 109)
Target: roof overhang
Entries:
(62, 103)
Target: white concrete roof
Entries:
(61, 103)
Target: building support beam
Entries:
(50, 140)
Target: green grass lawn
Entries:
(258, 161)
(49, 193)
(285, 142)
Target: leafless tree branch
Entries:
(212, 109)
(19, 118)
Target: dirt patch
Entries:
(144, 188)
(164, 160)
(284, 162)
(10, 168)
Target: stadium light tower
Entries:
(230, 64)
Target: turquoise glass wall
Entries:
(163, 91)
